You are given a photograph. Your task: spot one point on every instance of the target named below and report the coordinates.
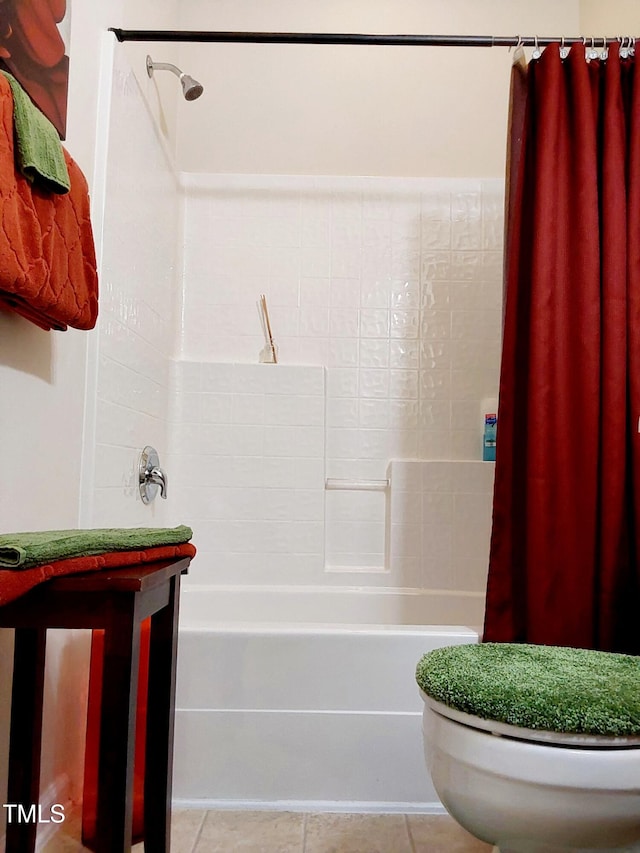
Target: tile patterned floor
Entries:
(293, 832)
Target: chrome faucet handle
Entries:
(151, 477)
(158, 476)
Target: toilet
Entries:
(535, 749)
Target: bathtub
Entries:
(305, 699)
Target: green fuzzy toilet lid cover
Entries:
(548, 688)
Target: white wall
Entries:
(282, 109)
(306, 110)
(43, 375)
(621, 18)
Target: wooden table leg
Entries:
(117, 726)
(25, 739)
(160, 722)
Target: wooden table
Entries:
(116, 600)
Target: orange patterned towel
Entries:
(47, 256)
(13, 584)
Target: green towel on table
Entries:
(24, 550)
(39, 154)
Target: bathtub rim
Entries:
(269, 609)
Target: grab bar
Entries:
(333, 484)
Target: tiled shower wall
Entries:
(138, 308)
(394, 286)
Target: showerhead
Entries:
(191, 89)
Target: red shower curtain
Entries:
(564, 547)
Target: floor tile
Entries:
(185, 825)
(251, 832)
(356, 833)
(196, 831)
(67, 836)
(441, 834)
(185, 828)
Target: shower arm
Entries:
(163, 66)
(153, 66)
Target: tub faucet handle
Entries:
(151, 477)
(158, 476)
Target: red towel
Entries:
(16, 582)
(47, 255)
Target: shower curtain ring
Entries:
(624, 50)
(632, 47)
(605, 48)
(593, 53)
(564, 50)
(537, 53)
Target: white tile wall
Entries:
(395, 285)
(440, 523)
(248, 469)
(138, 307)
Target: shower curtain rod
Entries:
(347, 38)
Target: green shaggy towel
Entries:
(549, 688)
(24, 550)
(39, 154)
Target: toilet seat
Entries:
(539, 736)
(544, 694)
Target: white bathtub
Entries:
(287, 698)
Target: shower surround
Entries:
(385, 300)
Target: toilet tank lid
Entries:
(551, 688)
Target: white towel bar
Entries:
(357, 485)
